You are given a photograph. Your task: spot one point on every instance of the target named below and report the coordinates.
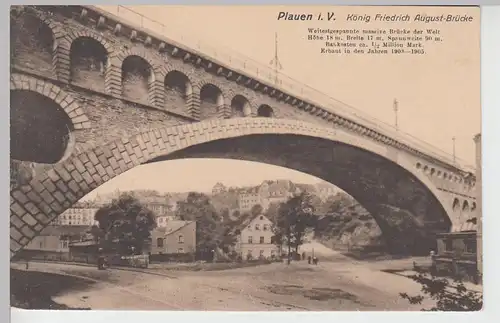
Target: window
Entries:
(261, 239)
(181, 239)
(448, 244)
(180, 250)
(265, 227)
(159, 242)
(262, 252)
(250, 239)
(257, 227)
(470, 246)
(261, 217)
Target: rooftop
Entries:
(53, 230)
(173, 226)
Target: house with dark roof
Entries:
(58, 238)
(174, 237)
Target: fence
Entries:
(55, 256)
(246, 65)
(172, 257)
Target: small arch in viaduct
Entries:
(265, 111)
(66, 101)
(88, 63)
(32, 43)
(211, 102)
(456, 204)
(43, 120)
(40, 130)
(137, 79)
(465, 206)
(240, 106)
(178, 91)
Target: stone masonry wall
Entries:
(107, 113)
(119, 46)
(34, 205)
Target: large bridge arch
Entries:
(396, 186)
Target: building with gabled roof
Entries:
(174, 237)
(254, 237)
(218, 188)
(58, 238)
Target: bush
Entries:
(172, 257)
(449, 296)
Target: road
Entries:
(338, 284)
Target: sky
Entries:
(438, 93)
(199, 175)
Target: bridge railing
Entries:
(259, 71)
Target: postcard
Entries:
(245, 158)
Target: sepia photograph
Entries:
(245, 158)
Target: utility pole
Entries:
(395, 106)
(454, 156)
(275, 61)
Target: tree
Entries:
(225, 214)
(236, 214)
(256, 210)
(294, 217)
(317, 204)
(449, 295)
(272, 212)
(126, 224)
(210, 231)
(96, 232)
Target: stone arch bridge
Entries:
(93, 96)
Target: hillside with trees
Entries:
(211, 226)
(225, 200)
(343, 224)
